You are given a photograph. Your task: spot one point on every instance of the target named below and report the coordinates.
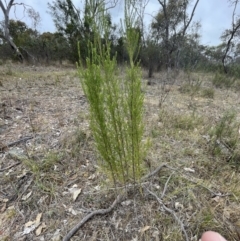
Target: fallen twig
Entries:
(165, 186)
(156, 171)
(6, 168)
(90, 215)
(197, 182)
(15, 142)
(108, 210)
(170, 211)
(18, 141)
(26, 187)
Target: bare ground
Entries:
(50, 182)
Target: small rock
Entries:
(17, 153)
(126, 203)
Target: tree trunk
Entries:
(6, 35)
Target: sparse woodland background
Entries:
(170, 40)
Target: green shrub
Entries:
(44, 171)
(9, 70)
(223, 80)
(186, 122)
(234, 70)
(207, 93)
(115, 102)
(192, 85)
(225, 137)
(45, 165)
(77, 143)
(237, 85)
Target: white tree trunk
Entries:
(6, 36)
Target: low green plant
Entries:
(188, 151)
(192, 85)
(186, 122)
(9, 70)
(237, 85)
(225, 137)
(155, 132)
(223, 80)
(207, 219)
(115, 101)
(207, 93)
(44, 165)
(11, 213)
(57, 80)
(42, 170)
(77, 143)
(234, 70)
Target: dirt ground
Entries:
(49, 172)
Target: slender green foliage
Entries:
(225, 138)
(115, 102)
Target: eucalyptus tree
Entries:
(76, 23)
(5, 33)
(169, 27)
(230, 36)
(66, 18)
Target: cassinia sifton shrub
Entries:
(115, 100)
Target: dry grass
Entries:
(48, 104)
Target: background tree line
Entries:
(172, 41)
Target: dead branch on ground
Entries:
(6, 168)
(168, 209)
(171, 212)
(24, 139)
(90, 215)
(119, 198)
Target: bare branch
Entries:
(112, 3)
(119, 198)
(165, 186)
(155, 171)
(6, 168)
(191, 17)
(235, 27)
(90, 215)
(162, 3)
(171, 212)
(7, 8)
(140, 10)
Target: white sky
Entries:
(215, 16)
